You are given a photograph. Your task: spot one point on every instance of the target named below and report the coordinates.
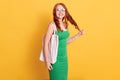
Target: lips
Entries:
(60, 14)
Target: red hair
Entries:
(66, 18)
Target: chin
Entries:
(60, 17)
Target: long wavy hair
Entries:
(65, 19)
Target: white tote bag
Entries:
(53, 48)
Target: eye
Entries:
(61, 9)
(58, 9)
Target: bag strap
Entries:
(55, 29)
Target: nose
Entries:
(61, 11)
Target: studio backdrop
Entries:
(93, 56)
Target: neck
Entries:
(60, 20)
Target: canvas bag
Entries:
(53, 48)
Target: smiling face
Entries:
(60, 11)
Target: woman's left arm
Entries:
(69, 40)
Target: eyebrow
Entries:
(61, 8)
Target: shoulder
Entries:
(52, 25)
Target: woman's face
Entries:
(60, 11)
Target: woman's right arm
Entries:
(71, 39)
(47, 37)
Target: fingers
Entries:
(82, 32)
(50, 67)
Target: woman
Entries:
(59, 70)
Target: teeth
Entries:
(60, 14)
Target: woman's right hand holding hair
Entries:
(81, 32)
(49, 66)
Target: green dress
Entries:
(60, 68)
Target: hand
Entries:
(49, 66)
(81, 32)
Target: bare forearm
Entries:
(73, 38)
(46, 53)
